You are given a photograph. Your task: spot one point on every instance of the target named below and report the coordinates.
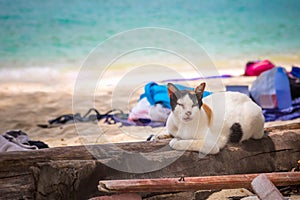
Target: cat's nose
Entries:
(188, 113)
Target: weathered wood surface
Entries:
(199, 183)
(74, 173)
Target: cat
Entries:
(207, 124)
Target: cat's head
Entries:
(185, 104)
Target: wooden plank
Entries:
(195, 183)
(25, 159)
(291, 126)
(74, 172)
(17, 185)
(283, 141)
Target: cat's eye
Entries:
(180, 104)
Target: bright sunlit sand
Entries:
(25, 104)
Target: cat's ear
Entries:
(200, 90)
(172, 89)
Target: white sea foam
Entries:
(31, 74)
(34, 79)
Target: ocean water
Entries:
(60, 34)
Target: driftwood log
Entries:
(74, 172)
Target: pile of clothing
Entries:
(275, 90)
(17, 140)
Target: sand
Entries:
(24, 105)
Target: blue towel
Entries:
(290, 113)
(296, 71)
(159, 93)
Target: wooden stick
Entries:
(195, 183)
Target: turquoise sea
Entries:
(57, 33)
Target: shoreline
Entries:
(221, 62)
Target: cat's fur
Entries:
(207, 125)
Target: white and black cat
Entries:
(208, 124)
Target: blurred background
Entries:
(60, 34)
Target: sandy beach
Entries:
(66, 57)
(24, 105)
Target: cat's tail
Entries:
(236, 133)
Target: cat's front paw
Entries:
(209, 148)
(177, 144)
(173, 143)
(163, 136)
